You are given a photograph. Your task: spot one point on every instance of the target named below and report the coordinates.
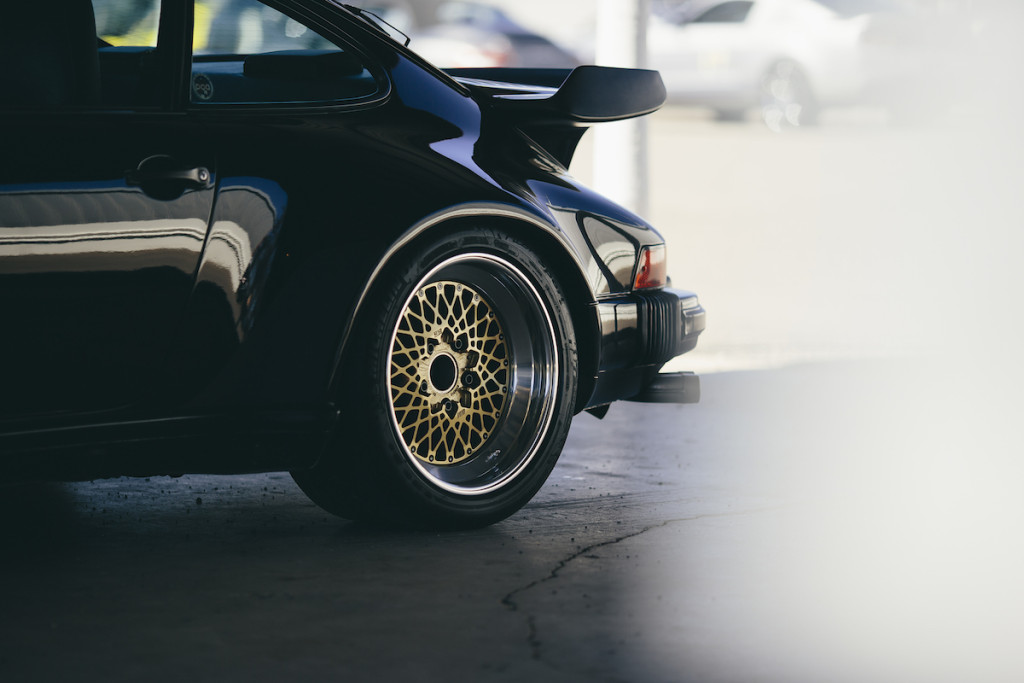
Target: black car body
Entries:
(225, 259)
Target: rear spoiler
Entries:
(555, 106)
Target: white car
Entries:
(789, 58)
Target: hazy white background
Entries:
(895, 552)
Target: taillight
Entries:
(651, 268)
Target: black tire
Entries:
(459, 390)
(787, 100)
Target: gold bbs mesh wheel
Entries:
(470, 372)
(449, 373)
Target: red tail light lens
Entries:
(651, 268)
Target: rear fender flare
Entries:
(546, 238)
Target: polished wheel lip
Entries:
(532, 371)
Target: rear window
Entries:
(245, 52)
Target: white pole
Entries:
(620, 148)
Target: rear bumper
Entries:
(671, 319)
(640, 332)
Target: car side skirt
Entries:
(197, 444)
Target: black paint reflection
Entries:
(93, 277)
(242, 245)
(231, 285)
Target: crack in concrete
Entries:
(509, 601)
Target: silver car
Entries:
(790, 58)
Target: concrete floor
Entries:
(795, 526)
(831, 511)
(242, 577)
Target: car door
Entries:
(106, 193)
(284, 95)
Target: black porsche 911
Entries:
(243, 235)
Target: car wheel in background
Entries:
(458, 391)
(786, 98)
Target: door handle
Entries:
(196, 178)
(162, 170)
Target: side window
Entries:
(127, 32)
(245, 52)
(77, 53)
(726, 13)
(127, 23)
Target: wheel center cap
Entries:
(443, 372)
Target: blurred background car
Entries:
(781, 60)
(458, 34)
(788, 59)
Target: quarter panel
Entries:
(352, 188)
